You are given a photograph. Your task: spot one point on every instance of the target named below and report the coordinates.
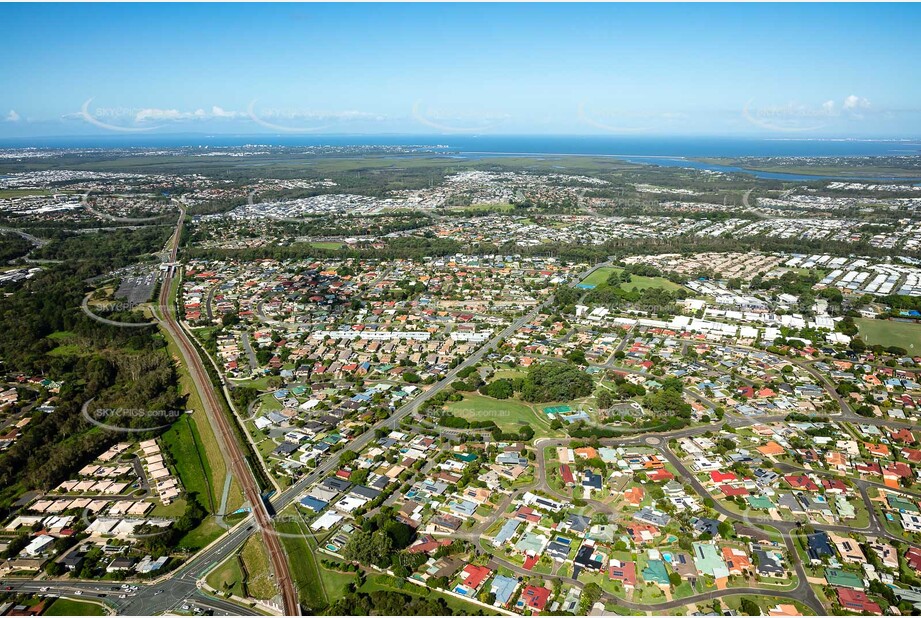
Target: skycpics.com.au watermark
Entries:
(127, 526)
(125, 420)
(97, 312)
(116, 307)
(456, 122)
(283, 525)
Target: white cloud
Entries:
(149, 114)
(150, 118)
(854, 102)
(13, 116)
(344, 116)
(829, 107)
(219, 112)
(174, 115)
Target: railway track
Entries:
(239, 465)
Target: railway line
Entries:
(226, 436)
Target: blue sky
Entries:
(847, 70)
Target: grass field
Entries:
(764, 601)
(600, 276)
(509, 374)
(386, 582)
(71, 607)
(261, 384)
(493, 207)
(199, 461)
(309, 577)
(905, 335)
(641, 283)
(228, 577)
(508, 414)
(8, 193)
(259, 581)
(67, 344)
(68, 349)
(322, 244)
(246, 574)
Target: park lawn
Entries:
(261, 384)
(644, 283)
(268, 403)
(334, 582)
(508, 414)
(636, 281)
(600, 276)
(906, 335)
(228, 577)
(72, 607)
(509, 374)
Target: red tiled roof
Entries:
(475, 575)
(536, 597)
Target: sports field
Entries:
(324, 244)
(905, 335)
